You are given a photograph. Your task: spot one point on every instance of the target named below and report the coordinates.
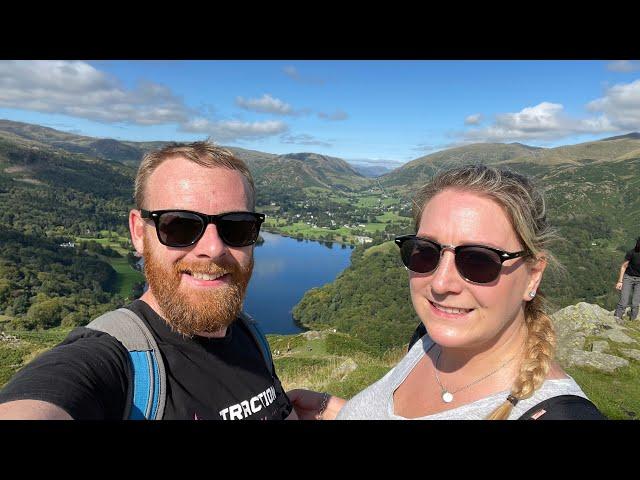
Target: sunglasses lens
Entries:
(239, 229)
(179, 229)
(419, 256)
(478, 265)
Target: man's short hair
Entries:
(205, 154)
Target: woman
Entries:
(629, 284)
(475, 268)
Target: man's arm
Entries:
(32, 410)
(621, 276)
(85, 377)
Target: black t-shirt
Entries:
(207, 378)
(633, 268)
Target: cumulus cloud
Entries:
(335, 116)
(545, 121)
(230, 130)
(304, 139)
(78, 89)
(620, 105)
(624, 66)
(266, 104)
(474, 119)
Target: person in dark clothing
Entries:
(629, 284)
(195, 227)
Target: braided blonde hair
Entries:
(525, 207)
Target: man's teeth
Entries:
(452, 310)
(204, 276)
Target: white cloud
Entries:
(78, 89)
(474, 119)
(620, 105)
(266, 104)
(335, 116)
(230, 130)
(624, 66)
(304, 139)
(545, 121)
(292, 72)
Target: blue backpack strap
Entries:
(146, 394)
(259, 338)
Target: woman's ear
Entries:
(536, 269)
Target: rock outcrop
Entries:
(585, 332)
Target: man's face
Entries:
(200, 288)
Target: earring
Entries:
(532, 293)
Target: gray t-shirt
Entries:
(376, 401)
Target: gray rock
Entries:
(631, 353)
(618, 336)
(597, 360)
(600, 346)
(575, 323)
(346, 367)
(312, 335)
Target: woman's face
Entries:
(456, 312)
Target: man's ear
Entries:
(535, 276)
(136, 227)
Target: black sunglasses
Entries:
(476, 263)
(182, 228)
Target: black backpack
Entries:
(562, 407)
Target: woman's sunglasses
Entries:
(476, 263)
(182, 228)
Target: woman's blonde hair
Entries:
(525, 207)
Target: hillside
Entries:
(521, 157)
(419, 170)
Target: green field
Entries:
(127, 276)
(392, 217)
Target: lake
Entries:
(285, 268)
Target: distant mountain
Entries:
(104, 148)
(274, 174)
(371, 171)
(422, 168)
(524, 158)
(632, 135)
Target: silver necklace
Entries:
(447, 396)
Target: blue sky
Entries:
(375, 111)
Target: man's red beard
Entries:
(203, 310)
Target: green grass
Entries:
(127, 276)
(357, 380)
(392, 217)
(31, 343)
(370, 201)
(617, 394)
(375, 227)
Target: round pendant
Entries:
(447, 397)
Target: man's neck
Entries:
(148, 298)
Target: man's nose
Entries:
(210, 244)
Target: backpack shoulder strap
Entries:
(564, 407)
(418, 333)
(147, 390)
(259, 338)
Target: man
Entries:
(195, 227)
